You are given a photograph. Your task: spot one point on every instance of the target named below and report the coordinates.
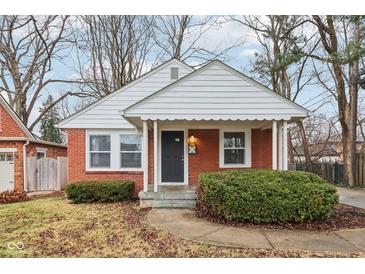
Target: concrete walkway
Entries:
(352, 197)
(184, 224)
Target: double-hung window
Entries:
(100, 151)
(234, 149)
(130, 151)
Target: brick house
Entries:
(174, 122)
(17, 143)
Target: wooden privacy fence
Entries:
(46, 173)
(360, 170)
(331, 172)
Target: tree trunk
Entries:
(306, 151)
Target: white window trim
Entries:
(129, 151)
(247, 132)
(114, 150)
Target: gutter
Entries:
(38, 141)
(25, 165)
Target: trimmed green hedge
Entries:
(262, 196)
(99, 191)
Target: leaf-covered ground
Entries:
(53, 227)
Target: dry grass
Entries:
(53, 227)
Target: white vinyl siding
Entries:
(106, 113)
(216, 92)
(109, 153)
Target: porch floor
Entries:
(168, 197)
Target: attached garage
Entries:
(7, 170)
(18, 146)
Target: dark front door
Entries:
(172, 156)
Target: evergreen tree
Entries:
(49, 131)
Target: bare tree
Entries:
(111, 51)
(28, 46)
(342, 48)
(182, 37)
(281, 62)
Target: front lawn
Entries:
(53, 227)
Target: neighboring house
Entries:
(328, 152)
(17, 143)
(174, 122)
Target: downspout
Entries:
(25, 165)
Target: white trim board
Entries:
(8, 149)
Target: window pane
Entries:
(234, 139)
(40, 155)
(99, 159)
(100, 143)
(130, 142)
(130, 159)
(234, 156)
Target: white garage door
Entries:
(6, 171)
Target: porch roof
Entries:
(212, 93)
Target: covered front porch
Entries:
(176, 152)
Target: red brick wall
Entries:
(261, 147)
(207, 157)
(76, 163)
(8, 127)
(52, 151)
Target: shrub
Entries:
(99, 191)
(262, 196)
(12, 197)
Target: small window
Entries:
(130, 151)
(41, 154)
(100, 151)
(2, 157)
(174, 73)
(234, 148)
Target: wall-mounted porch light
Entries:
(192, 145)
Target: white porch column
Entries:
(285, 145)
(155, 155)
(280, 147)
(274, 145)
(145, 156)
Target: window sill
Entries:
(105, 170)
(234, 166)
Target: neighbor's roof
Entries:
(30, 136)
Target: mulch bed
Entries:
(343, 217)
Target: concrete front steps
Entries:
(169, 197)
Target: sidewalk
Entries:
(352, 197)
(184, 224)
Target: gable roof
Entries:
(220, 88)
(67, 122)
(15, 117)
(30, 136)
